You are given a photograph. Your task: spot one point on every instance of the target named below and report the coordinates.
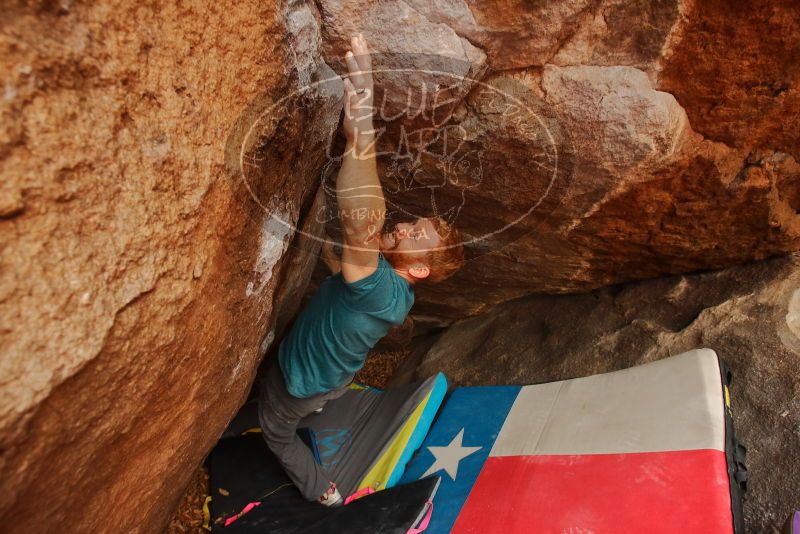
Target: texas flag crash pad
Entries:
(645, 449)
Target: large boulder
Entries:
(422, 70)
(149, 203)
(159, 195)
(589, 143)
(518, 34)
(734, 67)
(749, 314)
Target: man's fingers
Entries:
(359, 46)
(359, 62)
(353, 68)
(355, 43)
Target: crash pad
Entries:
(245, 476)
(645, 449)
(364, 439)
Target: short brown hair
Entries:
(448, 256)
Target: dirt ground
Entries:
(188, 518)
(380, 367)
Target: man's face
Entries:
(411, 240)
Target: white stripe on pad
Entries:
(667, 405)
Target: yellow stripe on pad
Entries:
(377, 477)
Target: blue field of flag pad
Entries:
(457, 447)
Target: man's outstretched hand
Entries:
(358, 95)
(362, 208)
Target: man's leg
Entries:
(279, 414)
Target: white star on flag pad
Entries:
(447, 458)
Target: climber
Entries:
(371, 290)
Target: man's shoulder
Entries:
(375, 293)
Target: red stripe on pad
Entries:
(674, 491)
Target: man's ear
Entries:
(419, 271)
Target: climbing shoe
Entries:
(332, 497)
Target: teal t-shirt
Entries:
(331, 337)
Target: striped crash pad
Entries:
(364, 439)
(646, 449)
(252, 494)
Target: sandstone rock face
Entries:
(514, 33)
(598, 142)
(735, 70)
(140, 270)
(748, 314)
(159, 205)
(417, 63)
(519, 34)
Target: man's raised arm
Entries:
(362, 208)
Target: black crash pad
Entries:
(243, 470)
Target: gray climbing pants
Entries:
(279, 413)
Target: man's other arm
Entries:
(362, 207)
